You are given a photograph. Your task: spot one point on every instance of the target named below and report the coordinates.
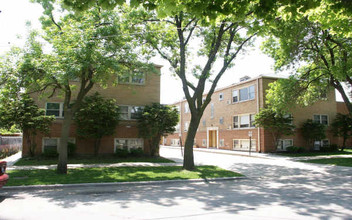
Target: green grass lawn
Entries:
(312, 154)
(115, 174)
(332, 161)
(89, 160)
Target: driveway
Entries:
(276, 188)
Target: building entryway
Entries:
(213, 138)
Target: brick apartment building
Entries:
(131, 94)
(228, 120)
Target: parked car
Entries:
(3, 176)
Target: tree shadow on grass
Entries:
(308, 193)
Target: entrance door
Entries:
(213, 140)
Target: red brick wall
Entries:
(126, 129)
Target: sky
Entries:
(15, 13)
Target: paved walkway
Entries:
(14, 158)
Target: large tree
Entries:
(76, 52)
(319, 55)
(212, 33)
(97, 117)
(342, 127)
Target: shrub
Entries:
(8, 151)
(136, 152)
(330, 148)
(121, 152)
(293, 149)
(50, 153)
(71, 148)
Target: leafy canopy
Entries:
(97, 117)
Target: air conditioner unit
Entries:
(228, 102)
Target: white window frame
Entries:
(61, 109)
(235, 97)
(321, 119)
(283, 144)
(186, 126)
(321, 143)
(186, 108)
(250, 94)
(141, 140)
(239, 123)
(175, 142)
(253, 147)
(221, 143)
(221, 96)
(129, 113)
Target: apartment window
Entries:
(186, 126)
(235, 96)
(221, 96)
(128, 143)
(235, 122)
(244, 121)
(244, 144)
(204, 142)
(129, 112)
(221, 120)
(212, 110)
(135, 78)
(321, 143)
(177, 128)
(222, 142)
(204, 123)
(186, 108)
(252, 120)
(284, 143)
(322, 119)
(55, 108)
(175, 142)
(243, 94)
(52, 144)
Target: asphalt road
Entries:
(275, 189)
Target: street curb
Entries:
(141, 183)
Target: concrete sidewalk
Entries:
(262, 155)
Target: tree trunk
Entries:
(65, 131)
(339, 88)
(156, 146)
(188, 161)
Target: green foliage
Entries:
(71, 149)
(136, 152)
(97, 117)
(330, 148)
(123, 153)
(50, 153)
(312, 131)
(23, 113)
(154, 121)
(286, 94)
(342, 127)
(276, 123)
(293, 149)
(8, 151)
(318, 55)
